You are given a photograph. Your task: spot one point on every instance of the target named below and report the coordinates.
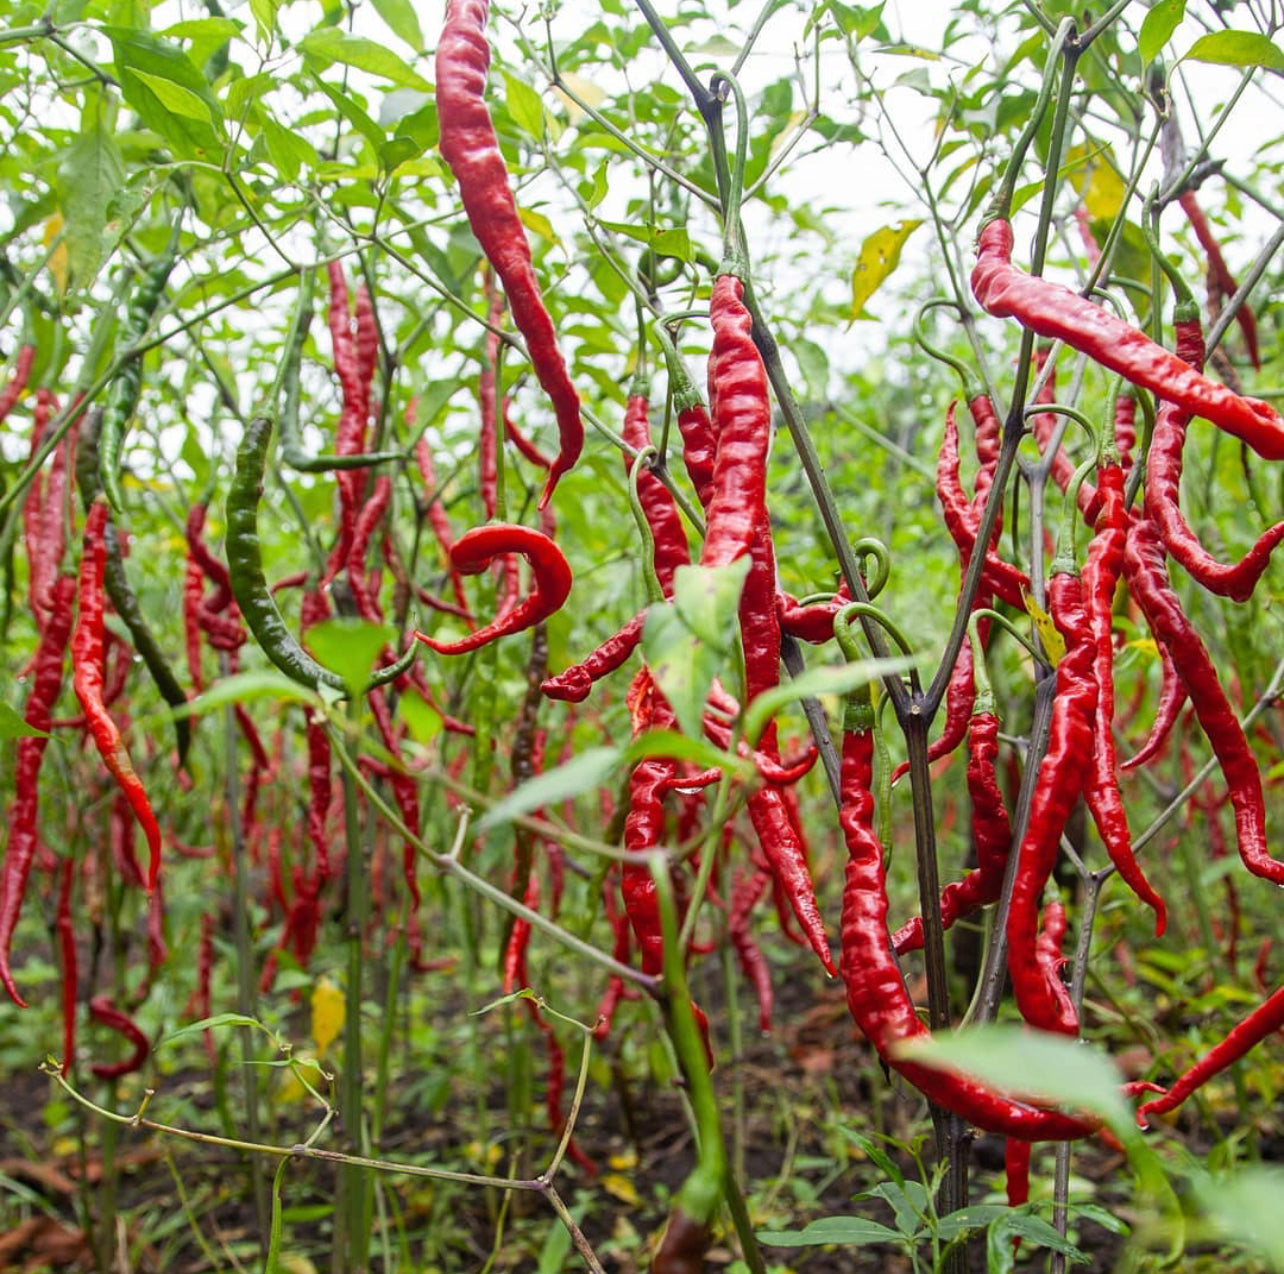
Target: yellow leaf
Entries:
(1147, 645)
(623, 1161)
(58, 259)
(290, 1089)
(538, 224)
(584, 89)
(621, 1188)
(1053, 643)
(1104, 194)
(879, 256)
(327, 1014)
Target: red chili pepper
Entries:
(1044, 1001)
(1051, 310)
(1147, 574)
(991, 832)
(67, 954)
(1126, 428)
(699, 448)
(1235, 580)
(18, 381)
(215, 570)
(21, 847)
(1263, 1021)
(573, 685)
(813, 624)
(1220, 277)
(363, 533)
(876, 994)
(367, 341)
(671, 547)
(1172, 698)
(989, 440)
(742, 425)
(744, 897)
(102, 1010)
(523, 444)
(87, 665)
(50, 535)
(193, 596)
(471, 149)
(350, 434)
(1101, 788)
(620, 951)
(1091, 248)
(476, 549)
(1016, 1165)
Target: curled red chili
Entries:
(574, 683)
(474, 551)
(470, 147)
(1051, 310)
(102, 1010)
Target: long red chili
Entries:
(876, 994)
(1222, 279)
(87, 679)
(470, 147)
(1044, 1001)
(1101, 787)
(1051, 310)
(574, 683)
(1172, 698)
(667, 530)
(1263, 1021)
(101, 1009)
(741, 423)
(21, 847)
(744, 897)
(1235, 580)
(18, 381)
(474, 551)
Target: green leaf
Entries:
(1245, 1207)
(264, 12)
(421, 718)
(328, 45)
(1237, 48)
(244, 687)
(976, 1217)
(582, 773)
(1157, 27)
(12, 726)
(879, 256)
(213, 1024)
(350, 646)
(289, 149)
(1033, 1065)
(597, 191)
(92, 173)
(679, 747)
(670, 243)
(682, 663)
(160, 82)
(353, 114)
(851, 1230)
(817, 681)
(708, 597)
(203, 29)
(402, 21)
(524, 105)
(1025, 1225)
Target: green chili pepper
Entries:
(245, 565)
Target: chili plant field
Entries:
(641, 637)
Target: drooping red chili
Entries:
(876, 994)
(350, 434)
(20, 849)
(574, 683)
(667, 529)
(1101, 786)
(471, 149)
(87, 665)
(363, 533)
(22, 366)
(1172, 698)
(67, 956)
(1044, 1001)
(1220, 277)
(1262, 1022)
(744, 897)
(1051, 310)
(102, 1010)
(1235, 580)
(474, 551)
(741, 424)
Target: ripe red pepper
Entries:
(474, 551)
(1101, 788)
(1262, 1022)
(1126, 427)
(1051, 310)
(667, 530)
(67, 954)
(50, 539)
(744, 897)
(350, 433)
(18, 381)
(87, 665)
(471, 149)
(20, 850)
(363, 533)
(989, 440)
(573, 684)
(1044, 1001)
(1172, 698)
(991, 832)
(101, 1009)
(876, 994)
(1220, 278)
(741, 424)
(1235, 580)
